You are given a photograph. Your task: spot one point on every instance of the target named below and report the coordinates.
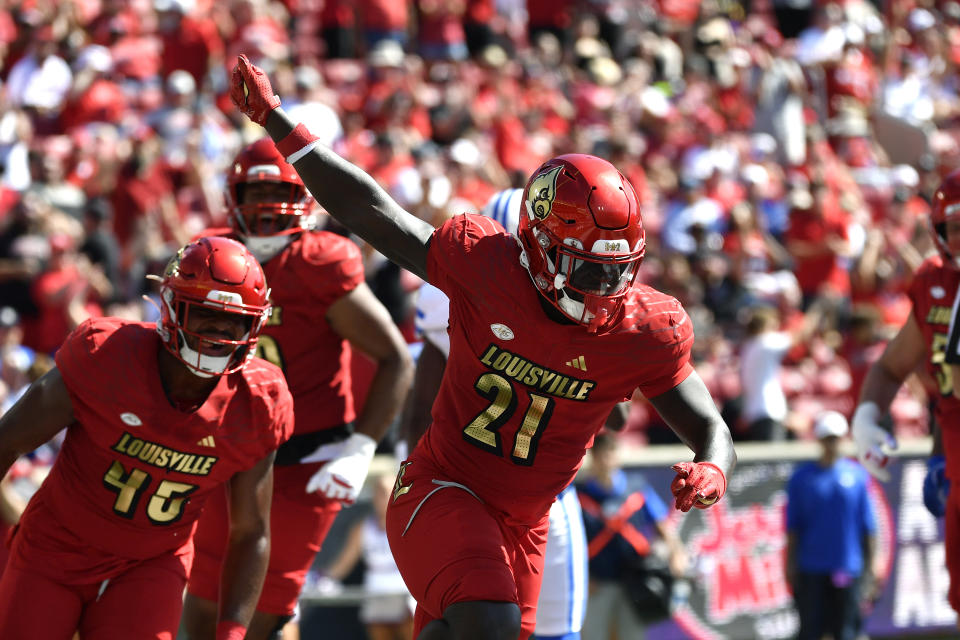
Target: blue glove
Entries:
(936, 487)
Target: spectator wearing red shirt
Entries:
(136, 56)
(440, 29)
(553, 17)
(338, 22)
(258, 34)
(116, 16)
(384, 20)
(190, 42)
(145, 211)
(478, 25)
(473, 173)
(95, 96)
(65, 294)
(818, 240)
(851, 82)
(392, 160)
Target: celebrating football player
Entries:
(157, 420)
(321, 308)
(922, 340)
(547, 335)
(561, 605)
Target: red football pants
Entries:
(456, 549)
(142, 603)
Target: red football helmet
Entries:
(221, 274)
(287, 211)
(582, 236)
(946, 205)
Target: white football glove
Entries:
(342, 478)
(874, 443)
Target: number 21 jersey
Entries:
(523, 395)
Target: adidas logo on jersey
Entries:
(206, 442)
(577, 363)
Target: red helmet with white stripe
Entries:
(258, 213)
(582, 237)
(212, 274)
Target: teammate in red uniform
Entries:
(922, 340)
(534, 369)
(158, 419)
(321, 308)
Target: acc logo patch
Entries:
(937, 292)
(542, 192)
(131, 419)
(502, 331)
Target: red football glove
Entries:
(698, 484)
(250, 90)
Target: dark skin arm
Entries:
(426, 382)
(248, 549)
(689, 411)
(617, 419)
(43, 411)
(359, 203)
(361, 319)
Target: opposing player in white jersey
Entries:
(563, 594)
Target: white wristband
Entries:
(296, 155)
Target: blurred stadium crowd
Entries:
(785, 155)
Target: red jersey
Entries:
(309, 275)
(134, 472)
(932, 292)
(523, 396)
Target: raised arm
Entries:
(347, 193)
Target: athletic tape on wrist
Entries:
(297, 143)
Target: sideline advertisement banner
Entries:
(737, 551)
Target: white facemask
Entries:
(206, 366)
(265, 247)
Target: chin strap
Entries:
(264, 248)
(204, 366)
(597, 321)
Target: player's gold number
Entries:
(483, 430)
(938, 354)
(165, 505)
(269, 350)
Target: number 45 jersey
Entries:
(134, 472)
(523, 395)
